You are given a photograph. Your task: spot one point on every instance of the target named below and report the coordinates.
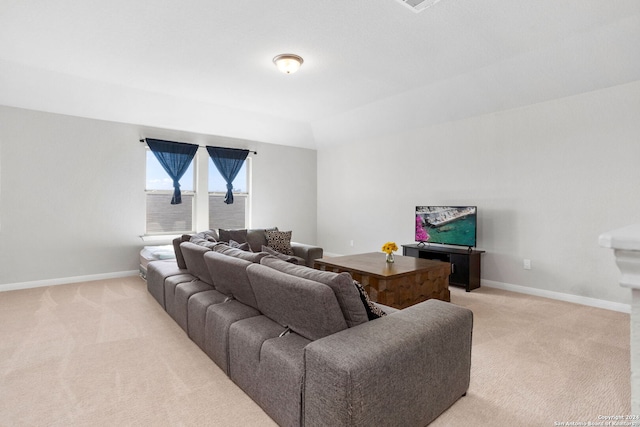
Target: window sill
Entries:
(159, 238)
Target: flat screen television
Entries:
(448, 225)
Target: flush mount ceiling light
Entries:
(418, 5)
(288, 63)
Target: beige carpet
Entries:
(537, 361)
(105, 353)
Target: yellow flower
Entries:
(389, 247)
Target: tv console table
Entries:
(465, 264)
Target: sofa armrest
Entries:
(307, 252)
(176, 248)
(402, 369)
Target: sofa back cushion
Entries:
(342, 285)
(204, 242)
(288, 258)
(255, 237)
(229, 275)
(239, 235)
(176, 247)
(194, 259)
(309, 308)
(209, 235)
(239, 253)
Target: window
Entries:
(162, 216)
(222, 215)
(191, 215)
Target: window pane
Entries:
(226, 216)
(217, 183)
(158, 179)
(163, 217)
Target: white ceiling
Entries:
(369, 66)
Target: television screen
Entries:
(450, 225)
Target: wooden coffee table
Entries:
(405, 282)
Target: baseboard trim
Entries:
(67, 280)
(576, 299)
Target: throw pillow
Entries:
(203, 242)
(280, 241)
(210, 235)
(235, 252)
(237, 235)
(273, 252)
(244, 246)
(256, 237)
(373, 311)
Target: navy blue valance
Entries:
(175, 158)
(228, 161)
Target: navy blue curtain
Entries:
(228, 161)
(175, 158)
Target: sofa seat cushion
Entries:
(184, 292)
(246, 338)
(281, 378)
(269, 367)
(219, 319)
(197, 314)
(170, 285)
(342, 285)
(309, 308)
(157, 272)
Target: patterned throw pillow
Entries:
(280, 241)
(373, 311)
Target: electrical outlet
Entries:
(527, 264)
(351, 243)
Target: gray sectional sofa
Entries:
(300, 343)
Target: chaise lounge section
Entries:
(300, 343)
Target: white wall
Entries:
(285, 191)
(547, 180)
(72, 199)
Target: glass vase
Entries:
(390, 257)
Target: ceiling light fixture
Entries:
(288, 63)
(419, 5)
